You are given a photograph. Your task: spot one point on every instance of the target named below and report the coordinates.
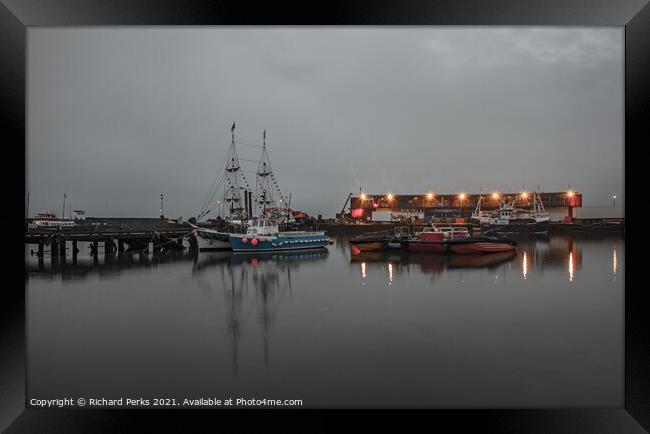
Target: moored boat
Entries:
(211, 239)
(49, 221)
(481, 245)
(434, 239)
(371, 242)
(510, 219)
(263, 235)
(457, 240)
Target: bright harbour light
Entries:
(389, 196)
(495, 195)
(462, 196)
(363, 196)
(570, 193)
(524, 195)
(430, 196)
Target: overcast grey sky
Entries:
(117, 116)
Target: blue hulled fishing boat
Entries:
(263, 235)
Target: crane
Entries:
(346, 203)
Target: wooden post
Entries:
(94, 249)
(108, 246)
(194, 246)
(40, 249)
(62, 248)
(120, 246)
(54, 248)
(156, 238)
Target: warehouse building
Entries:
(454, 207)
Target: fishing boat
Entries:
(510, 219)
(240, 201)
(263, 235)
(456, 240)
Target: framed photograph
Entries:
(404, 210)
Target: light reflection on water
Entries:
(380, 328)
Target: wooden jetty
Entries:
(115, 235)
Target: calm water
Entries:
(539, 328)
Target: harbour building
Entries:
(455, 207)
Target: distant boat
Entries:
(263, 235)
(508, 218)
(49, 221)
(456, 240)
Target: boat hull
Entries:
(426, 246)
(208, 239)
(462, 245)
(369, 246)
(281, 242)
(481, 247)
(517, 228)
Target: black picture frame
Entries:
(16, 16)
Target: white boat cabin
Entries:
(262, 226)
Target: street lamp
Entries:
(462, 197)
(614, 200)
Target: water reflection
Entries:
(105, 266)
(536, 255)
(524, 265)
(397, 263)
(300, 324)
(262, 280)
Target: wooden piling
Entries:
(54, 248)
(40, 249)
(108, 247)
(120, 246)
(194, 245)
(62, 248)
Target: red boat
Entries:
(457, 240)
(433, 239)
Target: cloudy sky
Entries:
(117, 116)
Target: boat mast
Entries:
(232, 193)
(477, 211)
(266, 184)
